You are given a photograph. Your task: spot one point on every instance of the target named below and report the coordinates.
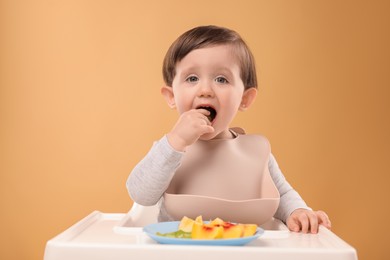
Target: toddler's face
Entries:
(210, 77)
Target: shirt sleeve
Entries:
(290, 200)
(150, 178)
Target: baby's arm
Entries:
(292, 208)
(152, 175)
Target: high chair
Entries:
(119, 236)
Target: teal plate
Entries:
(167, 227)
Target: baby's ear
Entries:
(248, 98)
(167, 92)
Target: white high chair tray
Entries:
(109, 236)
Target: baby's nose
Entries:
(206, 90)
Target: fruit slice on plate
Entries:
(187, 223)
(217, 222)
(206, 231)
(233, 231)
(249, 230)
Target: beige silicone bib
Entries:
(225, 178)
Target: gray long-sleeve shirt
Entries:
(152, 175)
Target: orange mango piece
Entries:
(249, 230)
(233, 231)
(206, 231)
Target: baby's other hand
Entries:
(307, 220)
(189, 127)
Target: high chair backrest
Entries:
(143, 215)
(139, 216)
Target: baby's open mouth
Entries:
(213, 113)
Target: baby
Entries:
(210, 75)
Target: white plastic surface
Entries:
(119, 236)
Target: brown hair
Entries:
(206, 36)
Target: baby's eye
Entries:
(221, 80)
(192, 79)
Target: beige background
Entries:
(80, 106)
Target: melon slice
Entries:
(187, 223)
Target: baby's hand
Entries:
(307, 220)
(189, 127)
